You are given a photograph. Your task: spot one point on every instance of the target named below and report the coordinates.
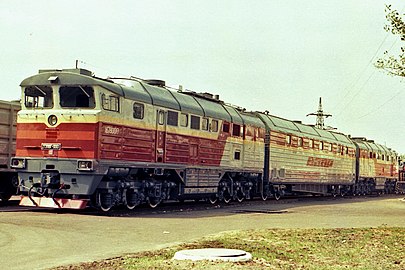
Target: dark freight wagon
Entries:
(8, 123)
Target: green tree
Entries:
(394, 65)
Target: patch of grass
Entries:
(371, 248)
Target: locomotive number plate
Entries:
(51, 146)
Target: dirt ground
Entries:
(45, 239)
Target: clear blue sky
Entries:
(279, 55)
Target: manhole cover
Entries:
(213, 254)
(261, 211)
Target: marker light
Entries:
(17, 163)
(85, 165)
(52, 120)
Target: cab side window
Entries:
(38, 97)
(300, 142)
(77, 97)
(214, 125)
(195, 122)
(172, 118)
(236, 130)
(204, 124)
(184, 120)
(138, 110)
(226, 127)
(110, 103)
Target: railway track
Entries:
(173, 207)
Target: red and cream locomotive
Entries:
(85, 140)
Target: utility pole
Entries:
(320, 115)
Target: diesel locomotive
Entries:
(84, 140)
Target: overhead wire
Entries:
(382, 105)
(356, 80)
(368, 79)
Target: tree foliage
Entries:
(394, 65)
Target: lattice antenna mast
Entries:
(320, 115)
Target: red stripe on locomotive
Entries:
(116, 143)
(134, 144)
(77, 140)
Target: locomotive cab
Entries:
(57, 136)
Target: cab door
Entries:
(160, 136)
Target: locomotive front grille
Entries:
(52, 133)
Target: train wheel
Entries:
(154, 202)
(213, 199)
(105, 201)
(132, 199)
(4, 197)
(356, 191)
(105, 209)
(265, 192)
(14, 186)
(130, 206)
(227, 197)
(240, 196)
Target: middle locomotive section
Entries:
(83, 140)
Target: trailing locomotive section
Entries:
(83, 140)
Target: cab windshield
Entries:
(76, 97)
(38, 97)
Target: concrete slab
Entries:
(213, 254)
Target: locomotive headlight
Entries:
(52, 120)
(17, 163)
(85, 165)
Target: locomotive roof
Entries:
(181, 101)
(70, 77)
(370, 145)
(190, 102)
(251, 118)
(195, 103)
(138, 90)
(299, 129)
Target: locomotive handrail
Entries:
(32, 147)
(30, 197)
(62, 186)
